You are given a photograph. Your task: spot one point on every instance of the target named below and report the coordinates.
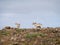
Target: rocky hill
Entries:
(43, 36)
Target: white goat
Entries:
(37, 25)
(17, 25)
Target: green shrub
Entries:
(4, 33)
(18, 30)
(42, 34)
(35, 35)
(31, 35)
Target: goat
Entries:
(37, 25)
(17, 25)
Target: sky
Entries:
(25, 12)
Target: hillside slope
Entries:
(43, 36)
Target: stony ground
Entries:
(43, 36)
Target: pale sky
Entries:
(46, 12)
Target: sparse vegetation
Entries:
(47, 36)
(4, 32)
(31, 35)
